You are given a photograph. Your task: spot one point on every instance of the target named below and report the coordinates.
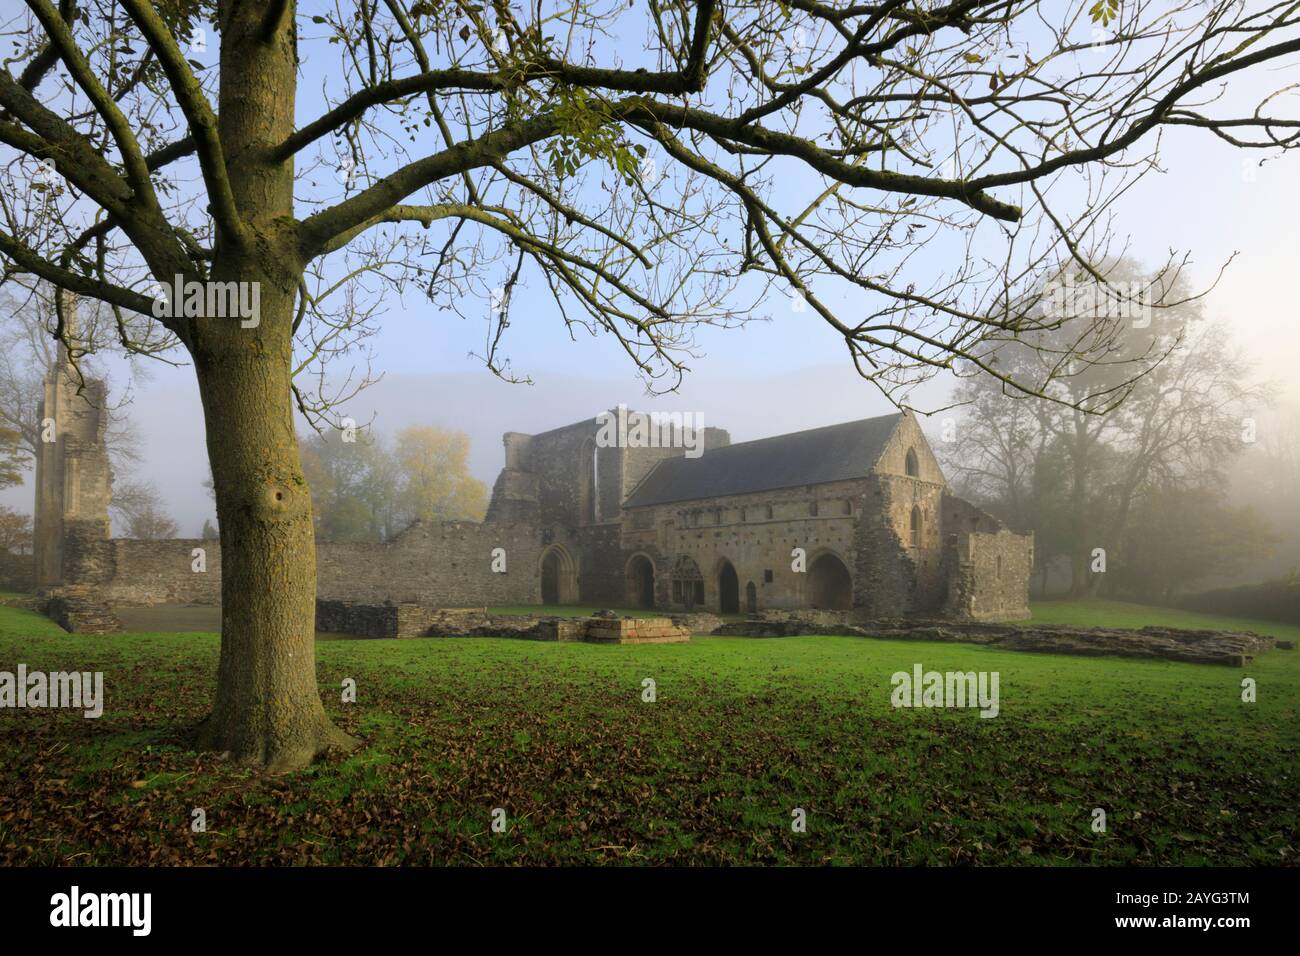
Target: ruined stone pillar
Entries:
(74, 478)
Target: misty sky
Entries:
(772, 376)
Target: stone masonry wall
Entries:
(987, 566)
(907, 546)
(162, 572)
(737, 529)
(440, 564)
(447, 564)
(991, 578)
(600, 576)
(884, 573)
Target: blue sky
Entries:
(771, 376)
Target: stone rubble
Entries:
(1229, 648)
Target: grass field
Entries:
(743, 731)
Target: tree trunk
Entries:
(1082, 577)
(268, 709)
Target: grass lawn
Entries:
(742, 732)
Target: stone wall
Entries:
(987, 565)
(919, 583)
(446, 564)
(162, 572)
(560, 460)
(891, 542)
(738, 529)
(867, 524)
(626, 630)
(884, 571)
(600, 575)
(439, 563)
(413, 620)
(514, 495)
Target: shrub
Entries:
(1277, 600)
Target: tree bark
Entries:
(268, 708)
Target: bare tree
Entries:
(651, 167)
(1077, 478)
(138, 509)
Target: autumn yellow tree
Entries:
(433, 475)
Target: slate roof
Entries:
(831, 453)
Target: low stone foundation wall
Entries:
(1229, 648)
(631, 630)
(28, 602)
(415, 620)
(562, 629)
(80, 610)
(404, 620)
(698, 623)
(803, 622)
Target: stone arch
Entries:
(559, 575)
(751, 598)
(639, 578)
(916, 527)
(728, 582)
(830, 586)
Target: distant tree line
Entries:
(1131, 499)
(368, 489)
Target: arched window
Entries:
(916, 527)
(812, 509)
(999, 577)
(588, 486)
(913, 466)
(769, 512)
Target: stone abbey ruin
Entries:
(855, 517)
(847, 529)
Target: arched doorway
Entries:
(829, 584)
(640, 581)
(559, 576)
(728, 589)
(751, 598)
